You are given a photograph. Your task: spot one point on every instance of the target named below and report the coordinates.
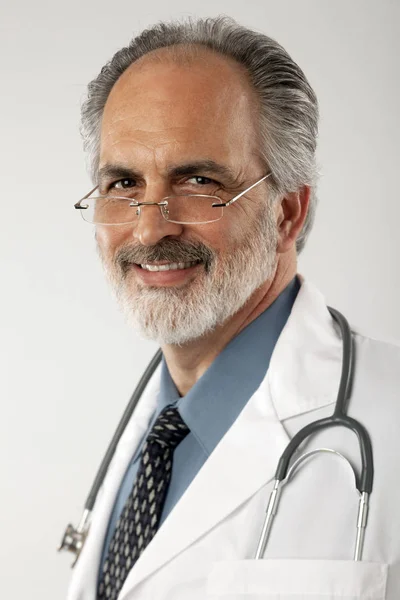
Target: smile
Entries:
(169, 266)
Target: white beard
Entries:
(182, 314)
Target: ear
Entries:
(291, 212)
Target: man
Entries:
(201, 138)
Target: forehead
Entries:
(165, 103)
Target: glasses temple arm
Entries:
(243, 193)
(77, 205)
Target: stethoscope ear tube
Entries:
(364, 482)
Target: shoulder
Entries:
(376, 350)
(377, 373)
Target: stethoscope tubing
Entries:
(339, 418)
(74, 538)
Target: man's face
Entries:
(161, 121)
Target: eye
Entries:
(200, 180)
(124, 184)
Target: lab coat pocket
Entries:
(286, 579)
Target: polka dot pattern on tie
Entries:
(140, 516)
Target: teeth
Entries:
(169, 267)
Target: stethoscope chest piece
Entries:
(73, 539)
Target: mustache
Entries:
(173, 251)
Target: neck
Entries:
(189, 362)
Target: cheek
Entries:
(225, 235)
(216, 235)
(232, 229)
(110, 238)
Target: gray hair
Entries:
(288, 105)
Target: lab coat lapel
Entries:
(304, 374)
(305, 367)
(84, 582)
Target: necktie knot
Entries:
(169, 428)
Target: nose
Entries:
(151, 227)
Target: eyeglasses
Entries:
(188, 209)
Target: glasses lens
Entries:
(109, 211)
(180, 209)
(192, 209)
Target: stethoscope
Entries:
(74, 539)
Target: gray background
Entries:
(69, 362)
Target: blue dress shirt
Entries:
(213, 403)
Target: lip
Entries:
(165, 278)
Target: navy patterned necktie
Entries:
(141, 514)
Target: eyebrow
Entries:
(112, 171)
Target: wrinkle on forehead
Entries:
(146, 137)
(223, 127)
(162, 107)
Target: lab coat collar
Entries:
(304, 375)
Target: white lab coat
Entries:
(204, 550)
